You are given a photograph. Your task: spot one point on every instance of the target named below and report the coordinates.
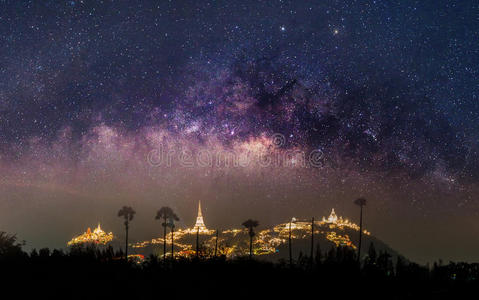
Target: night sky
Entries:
(386, 92)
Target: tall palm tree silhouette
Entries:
(250, 224)
(311, 258)
(171, 224)
(197, 242)
(216, 242)
(293, 220)
(127, 213)
(361, 202)
(165, 213)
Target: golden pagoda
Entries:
(97, 236)
(200, 224)
(333, 218)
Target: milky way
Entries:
(385, 92)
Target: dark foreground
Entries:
(91, 273)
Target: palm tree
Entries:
(171, 224)
(250, 225)
(361, 202)
(127, 213)
(311, 258)
(216, 242)
(197, 242)
(165, 213)
(293, 220)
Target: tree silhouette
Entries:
(127, 213)
(290, 243)
(385, 263)
(311, 258)
(9, 245)
(165, 213)
(319, 256)
(361, 202)
(216, 242)
(250, 225)
(400, 266)
(197, 242)
(171, 224)
(372, 255)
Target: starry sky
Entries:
(377, 99)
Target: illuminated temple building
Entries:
(200, 224)
(333, 218)
(97, 236)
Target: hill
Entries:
(269, 243)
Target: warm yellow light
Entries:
(98, 236)
(266, 241)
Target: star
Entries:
(372, 87)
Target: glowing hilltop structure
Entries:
(97, 236)
(200, 224)
(334, 221)
(333, 218)
(234, 242)
(332, 228)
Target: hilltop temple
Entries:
(97, 236)
(333, 218)
(200, 224)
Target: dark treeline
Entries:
(90, 270)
